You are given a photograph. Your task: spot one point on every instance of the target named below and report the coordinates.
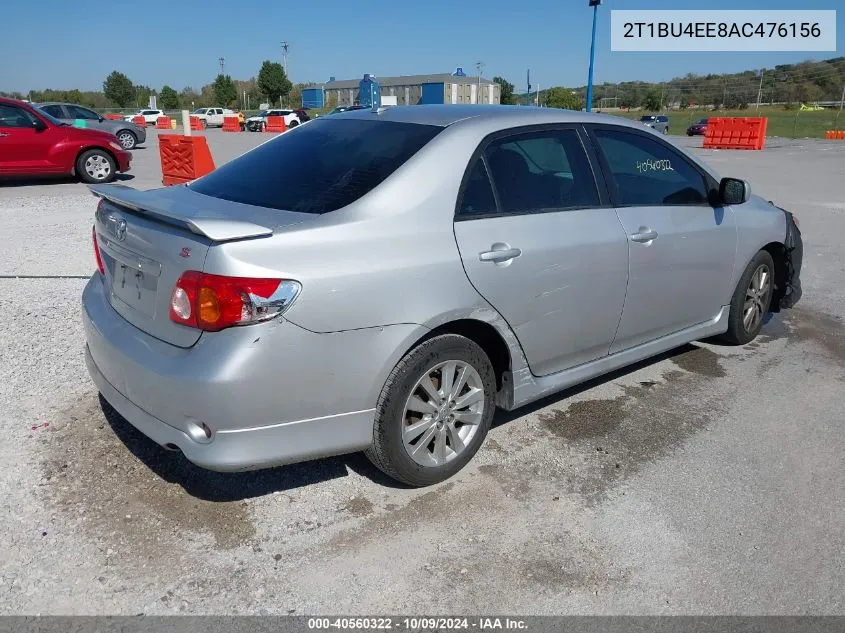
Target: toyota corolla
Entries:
(382, 280)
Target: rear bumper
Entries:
(140, 133)
(249, 449)
(271, 394)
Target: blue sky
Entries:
(64, 45)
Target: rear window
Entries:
(319, 167)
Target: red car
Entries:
(33, 143)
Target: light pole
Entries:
(595, 4)
(285, 56)
(478, 65)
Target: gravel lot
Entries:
(709, 480)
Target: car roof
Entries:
(508, 116)
(62, 103)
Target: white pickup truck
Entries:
(212, 117)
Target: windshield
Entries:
(50, 118)
(703, 122)
(199, 111)
(647, 118)
(319, 167)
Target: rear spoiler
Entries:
(216, 229)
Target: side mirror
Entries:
(734, 191)
(39, 125)
(101, 119)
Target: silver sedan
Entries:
(383, 280)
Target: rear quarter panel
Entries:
(390, 258)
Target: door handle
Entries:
(645, 235)
(499, 256)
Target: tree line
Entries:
(791, 84)
(119, 91)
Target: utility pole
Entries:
(222, 65)
(285, 55)
(285, 58)
(838, 114)
(478, 66)
(528, 83)
(760, 89)
(595, 4)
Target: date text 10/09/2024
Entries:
(416, 623)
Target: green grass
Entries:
(783, 123)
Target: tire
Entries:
(437, 459)
(127, 139)
(204, 124)
(743, 326)
(293, 124)
(96, 166)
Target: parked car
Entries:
(33, 143)
(339, 109)
(213, 117)
(150, 116)
(128, 134)
(384, 281)
(656, 122)
(698, 129)
(258, 122)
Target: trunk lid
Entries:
(148, 239)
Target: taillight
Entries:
(214, 302)
(99, 257)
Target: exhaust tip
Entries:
(170, 446)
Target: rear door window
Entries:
(54, 110)
(77, 112)
(541, 171)
(324, 166)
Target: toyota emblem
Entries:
(120, 230)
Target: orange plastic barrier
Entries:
(113, 117)
(736, 133)
(275, 124)
(139, 120)
(196, 123)
(183, 158)
(231, 124)
(163, 123)
(835, 135)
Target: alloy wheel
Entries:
(443, 413)
(127, 141)
(757, 298)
